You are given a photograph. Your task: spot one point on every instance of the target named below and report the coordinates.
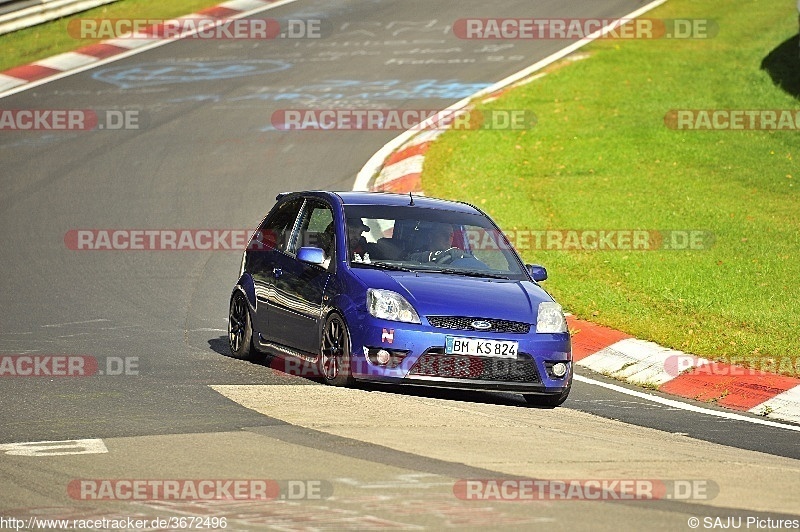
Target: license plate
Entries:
(455, 345)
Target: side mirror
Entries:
(538, 273)
(311, 255)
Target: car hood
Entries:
(434, 294)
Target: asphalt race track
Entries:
(206, 155)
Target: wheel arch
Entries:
(248, 288)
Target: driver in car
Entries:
(440, 246)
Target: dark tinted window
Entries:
(276, 231)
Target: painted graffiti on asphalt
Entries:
(348, 90)
(155, 74)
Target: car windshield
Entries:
(429, 240)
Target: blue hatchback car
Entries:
(402, 290)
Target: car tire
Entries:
(240, 329)
(334, 352)
(551, 400)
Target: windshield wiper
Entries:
(468, 273)
(382, 265)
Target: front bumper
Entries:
(418, 350)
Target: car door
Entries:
(268, 245)
(294, 312)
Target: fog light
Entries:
(383, 357)
(389, 358)
(559, 369)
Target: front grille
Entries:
(434, 363)
(462, 323)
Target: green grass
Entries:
(51, 38)
(601, 157)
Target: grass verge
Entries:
(51, 38)
(602, 158)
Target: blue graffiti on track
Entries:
(154, 74)
(352, 90)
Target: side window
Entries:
(276, 231)
(316, 229)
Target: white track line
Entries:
(686, 406)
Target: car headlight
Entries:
(550, 318)
(388, 305)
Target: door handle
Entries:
(277, 272)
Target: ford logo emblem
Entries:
(481, 325)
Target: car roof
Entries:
(390, 199)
